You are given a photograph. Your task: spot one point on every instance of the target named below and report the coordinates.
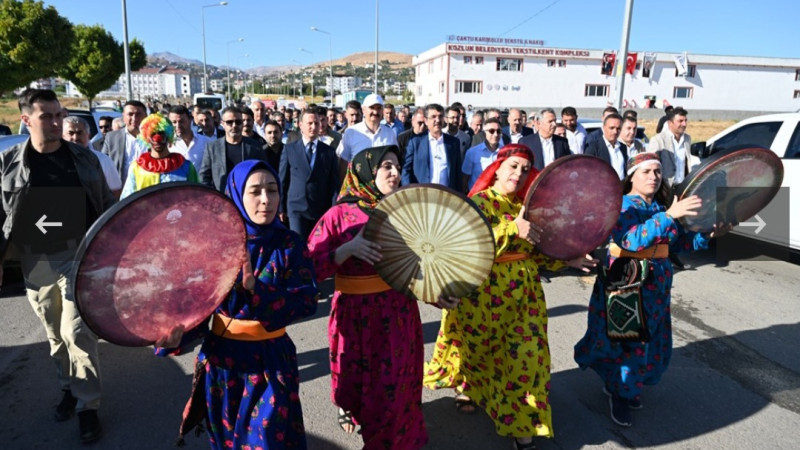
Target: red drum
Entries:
(753, 176)
(576, 200)
(164, 256)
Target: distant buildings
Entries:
(151, 82)
(343, 84)
(217, 85)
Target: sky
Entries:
(274, 31)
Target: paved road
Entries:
(734, 381)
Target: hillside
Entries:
(398, 60)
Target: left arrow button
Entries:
(41, 224)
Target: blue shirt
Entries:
(476, 160)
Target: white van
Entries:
(208, 101)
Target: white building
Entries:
(151, 82)
(343, 84)
(471, 71)
(217, 85)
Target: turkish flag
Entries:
(630, 64)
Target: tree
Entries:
(34, 42)
(138, 55)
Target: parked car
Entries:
(6, 142)
(93, 117)
(779, 133)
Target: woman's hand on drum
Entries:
(361, 248)
(685, 207)
(528, 230)
(721, 229)
(447, 302)
(583, 263)
(172, 339)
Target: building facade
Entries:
(343, 84)
(499, 75)
(151, 82)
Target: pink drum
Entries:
(164, 256)
(576, 200)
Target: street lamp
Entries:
(239, 58)
(203, 14)
(377, 3)
(311, 69)
(330, 56)
(229, 63)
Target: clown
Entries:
(158, 165)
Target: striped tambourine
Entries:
(434, 241)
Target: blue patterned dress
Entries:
(626, 367)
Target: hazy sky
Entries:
(273, 31)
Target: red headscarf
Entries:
(487, 177)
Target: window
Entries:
(468, 60)
(430, 66)
(509, 64)
(562, 63)
(753, 135)
(797, 75)
(479, 60)
(419, 90)
(596, 90)
(796, 94)
(682, 92)
(469, 87)
(793, 150)
(551, 63)
(691, 69)
(441, 87)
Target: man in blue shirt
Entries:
(480, 156)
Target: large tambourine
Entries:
(433, 241)
(164, 256)
(576, 200)
(734, 185)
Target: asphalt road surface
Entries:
(734, 381)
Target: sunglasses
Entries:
(492, 130)
(231, 123)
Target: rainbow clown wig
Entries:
(156, 127)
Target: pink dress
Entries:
(376, 343)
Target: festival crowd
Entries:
(306, 183)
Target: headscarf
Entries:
(155, 124)
(636, 161)
(359, 182)
(487, 177)
(237, 180)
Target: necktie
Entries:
(309, 150)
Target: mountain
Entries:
(172, 58)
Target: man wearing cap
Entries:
(366, 134)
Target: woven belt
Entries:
(656, 251)
(242, 330)
(511, 256)
(360, 285)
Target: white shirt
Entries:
(617, 158)
(576, 139)
(679, 147)
(439, 172)
(358, 137)
(547, 150)
(313, 151)
(192, 152)
(133, 148)
(109, 170)
(516, 137)
(261, 130)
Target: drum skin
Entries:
(576, 200)
(755, 173)
(164, 256)
(433, 241)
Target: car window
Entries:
(793, 151)
(755, 134)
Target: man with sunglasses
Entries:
(418, 128)
(226, 152)
(104, 125)
(480, 156)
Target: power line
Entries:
(179, 14)
(530, 18)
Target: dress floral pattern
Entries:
(376, 346)
(493, 347)
(252, 388)
(625, 367)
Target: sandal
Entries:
(465, 405)
(529, 446)
(346, 421)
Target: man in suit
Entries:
(122, 145)
(326, 133)
(221, 155)
(103, 127)
(673, 145)
(417, 128)
(453, 118)
(309, 177)
(273, 132)
(481, 136)
(608, 147)
(598, 134)
(546, 146)
(433, 157)
(575, 133)
(516, 128)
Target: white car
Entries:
(781, 134)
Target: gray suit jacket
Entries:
(214, 169)
(661, 144)
(114, 147)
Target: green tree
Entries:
(34, 42)
(138, 55)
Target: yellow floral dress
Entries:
(493, 347)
